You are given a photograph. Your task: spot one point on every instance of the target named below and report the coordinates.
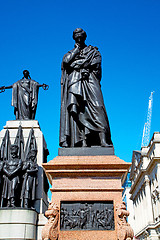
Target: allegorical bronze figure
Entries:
(12, 168)
(1, 174)
(84, 120)
(18, 170)
(25, 96)
(30, 168)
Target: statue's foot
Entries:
(65, 144)
(25, 203)
(103, 142)
(106, 145)
(13, 204)
(84, 144)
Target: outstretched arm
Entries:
(3, 88)
(44, 86)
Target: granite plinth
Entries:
(85, 179)
(86, 151)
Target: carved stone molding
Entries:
(124, 230)
(50, 230)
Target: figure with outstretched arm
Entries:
(25, 96)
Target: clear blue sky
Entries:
(35, 35)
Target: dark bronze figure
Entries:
(25, 96)
(5, 146)
(30, 168)
(18, 170)
(84, 120)
(1, 172)
(12, 168)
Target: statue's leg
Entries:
(84, 144)
(12, 201)
(8, 203)
(102, 137)
(26, 202)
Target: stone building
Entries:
(145, 190)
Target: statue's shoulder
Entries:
(33, 81)
(69, 52)
(92, 47)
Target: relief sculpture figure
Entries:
(84, 120)
(25, 96)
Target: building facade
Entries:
(145, 190)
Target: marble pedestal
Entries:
(18, 224)
(41, 203)
(86, 179)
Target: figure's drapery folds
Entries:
(83, 113)
(25, 98)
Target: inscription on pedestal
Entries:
(87, 215)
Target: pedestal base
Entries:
(18, 224)
(86, 151)
(86, 180)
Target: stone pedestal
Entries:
(18, 224)
(41, 203)
(84, 180)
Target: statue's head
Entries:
(26, 74)
(79, 35)
(14, 150)
(32, 154)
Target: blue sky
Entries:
(35, 35)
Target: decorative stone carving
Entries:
(155, 194)
(124, 231)
(87, 216)
(50, 230)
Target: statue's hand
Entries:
(77, 45)
(45, 86)
(85, 75)
(2, 89)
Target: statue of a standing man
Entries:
(84, 120)
(25, 96)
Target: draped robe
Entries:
(25, 98)
(83, 113)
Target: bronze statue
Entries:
(84, 120)
(25, 96)
(12, 168)
(1, 170)
(30, 168)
